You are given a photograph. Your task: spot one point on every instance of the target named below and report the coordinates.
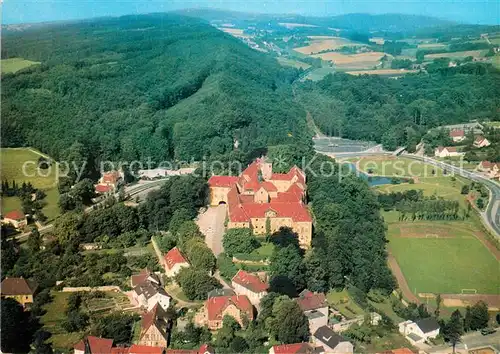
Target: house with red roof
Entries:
(215, 308)
(398, 351)
(108, 182)
(16, 218)
(203, 349)
(480, 141)
(251, 285)
(264, 201)
(315, 308)
(296, 348)
(155, 328)
(457, 135)
(19, 289)
(173, 261)
(491, 169)
(447, 151)
(94, 345)
(144, 276)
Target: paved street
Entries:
(211, 224)
(470, 341)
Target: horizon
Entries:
(462, 11)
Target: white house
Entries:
(492, 169)
(457, 135)
(315, 308)
(481, 141)
(173, 261)
(419, 331)
(16, 218)
(447, 151)
(331, 341)
(251, 285)
(147, 295)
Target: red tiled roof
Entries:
(487, 164)
(310, 301)
(173, 257)
(120, 350)
(449, 148)
(397, 351)
(16, 286)
(268, 186)
(250, 281)
(457, 133)
(111, 177)
(101, 188)
(216, 306)
(15, 215)
(140, 278)
(479, 139)
(182, 351)
(292, 348)
(244, 212)
(205, 348)
(97, 345)
(144, 349)
(222, 181)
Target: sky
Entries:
(465, 11)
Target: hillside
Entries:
(156, 86)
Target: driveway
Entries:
(211, 224)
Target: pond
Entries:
(375, 180)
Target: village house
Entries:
(149, 294)
(144, 276)
(457, 135)
(16, 218)
(296, 348)
(315, 308)
(419, 331)
(215, 308)
(447, 151)
(19, 289)
(251, 285)
(173, 261)
(331, 341)
(480, 141)
(397, 351)
(492, 169)
(108, 182)
(139, 349)
(155, 328)
(264, 201)
(94, 345)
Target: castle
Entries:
(264, 201)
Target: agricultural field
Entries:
(321, 43)
(382, 72)
(432, 46)
(444, 257)
(292, 25)
(293, 63)
(13, 65)
(458, 55)
(354, 61)
(12, 162)
(319, 73)
(237, 32)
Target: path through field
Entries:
(402, 284)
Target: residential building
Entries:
(144, 276)
(173, 261)
(149, 294)
(419, 331)
(457, 135)
(155, 328)
(237, 306)
(331, 341)
(264, 201)
(492, 169)
(108, 182)
(480, 141)
(19, 289)
(251, 285)
(203, 349)
(94, 345)
(315, 308)
(447, 151)
(143, 349)
(16, 218)
(296, 348)
(398, 351)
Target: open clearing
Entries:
(464, 54)
(12, 162)
(293, 63)
(13, 65)
(294, 25)
(326, 43)
(432, 46)
(383, 72)
(451, 260)
(352, 61)
(392, 166)
(319, 73)
(237, 32)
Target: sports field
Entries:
(444, 257)
(20, 165)
(13, 65)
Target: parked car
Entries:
(486, 331)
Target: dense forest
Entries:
(399, 112)
(136, 87)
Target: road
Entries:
(490, 217)
(211, 224)
(472, 341)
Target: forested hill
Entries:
(155, 86)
